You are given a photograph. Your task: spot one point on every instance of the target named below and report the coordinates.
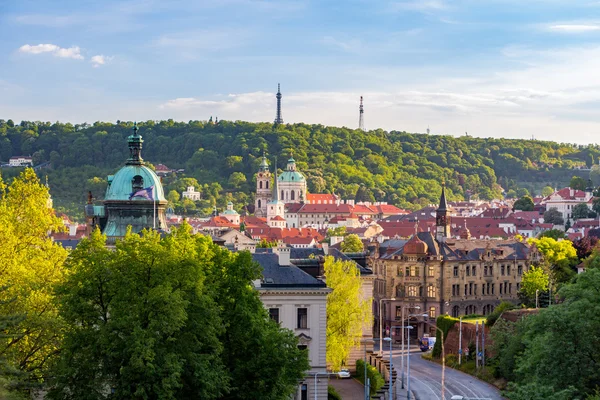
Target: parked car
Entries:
(344, 374)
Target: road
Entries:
(426, 377)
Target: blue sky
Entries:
(501, 68)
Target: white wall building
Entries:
(564, 200)
(20, 161)
(191, 194)
(298, 302)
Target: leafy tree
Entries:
(536, 279)
(169, 318)
(596, 205)
(525, 203)
(547, 191)
(237, 179)
(347, 311)
(554, 217)
(339, 231)
(595, 175)
(265, 244)
(581, 210)
(564, 357)
(522, 192)
(352, 244)
(31, 265)
(559, 255)
(554, 234)
(585, 246)
(578, 183)
(173, 197)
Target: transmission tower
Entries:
(361, 115)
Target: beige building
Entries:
(441, 275)
(298, 302)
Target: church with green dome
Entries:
(134, 197)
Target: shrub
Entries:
(504, 306)
(451, 360)
(373, 375)
(332, 394)
(444, 322)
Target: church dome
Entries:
(132, 178)
(415, 246)
(291, 176)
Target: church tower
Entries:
(278, 117)
(276, 207)
(263, 189)
(442, 218)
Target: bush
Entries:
(451, 360)
(373, 375)
(504, 306)
(443, 322)
(332, 394)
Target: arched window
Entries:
(259, 203)
(267, 184)
(399, 291)
(293, 195)
(137, 183)
(455, 311)
(260, 185)
(282, 198)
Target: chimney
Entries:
(284, 256)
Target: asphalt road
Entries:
(426, 377)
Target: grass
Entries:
(472, 320)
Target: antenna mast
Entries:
(361, 115)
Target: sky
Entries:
(492, 68)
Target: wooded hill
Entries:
(398, 167)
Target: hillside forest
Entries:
(221, 159)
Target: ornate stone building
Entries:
(134, 197)
(442, 275)
(263, 189)
(292, 184)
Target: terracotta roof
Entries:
(277, 218)
(326, 208)
(322, 197)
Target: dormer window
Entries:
(137, 183)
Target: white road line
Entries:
(427, 386)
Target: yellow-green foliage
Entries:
(347, 311)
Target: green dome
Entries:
(121, 184)
(291, 176)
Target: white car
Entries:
(344, 374)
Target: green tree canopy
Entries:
(559, 255)
(347, 311)
(547, 191)
(525, 203)
(169, 318)
(581, 210)
(352, 244)
(578, 183)
(554, 217)
(534, 280)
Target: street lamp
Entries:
(316, 374)
(389, 339)
(381, 323)
(408, 354)
(402, 369)
(443, 353)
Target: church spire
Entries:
(442, 221)
(443, 204)
(278, 117)
(135, 147)
(361, 118)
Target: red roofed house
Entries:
(565, 199)
(321, 198)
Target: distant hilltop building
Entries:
(134, 197)
(20, 161)
(191, 193)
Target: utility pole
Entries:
(477, 344)
(460, 340)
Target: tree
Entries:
(525, 203)
(595, 175)
(173, 197)
(265, 244)
(596, 205)
(553, 216)
(553, 233)
(547, 191)
(169, 318)
(560, 256)
(347, 311)
(585, 246)
(581, 210)
(31, 264)
(237, 179)
(564, 357)
(536, 279)
(352, 244)
(339, 231)
(578, 183)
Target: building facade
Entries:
(191, 193)
(292, 184)
(437, 274)
(263, 189)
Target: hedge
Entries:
(445, 323)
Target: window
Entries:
(302, 318)
(455, 311)
(274, 314)
(483, 289)
(293, 195)
(398, 312)
(501, 287)
(471, 289)
(282, 198)
(399, 291)
(259, 203)
(475, 290)
(302, 347)
(491, 270)
(420, 291)
(456, 270)
(510, 288)
(518, 286)
(414, 271)
(466, 288)
(267, 184)
(468, 268)
(260, 185)
(431, 291)
(493, 287)
(431, 312)
(430, 271)
(508, 270)
(473, 270)
(137, 183)
(502, 270)
(304, 392)
(520, 270)
(412, 291)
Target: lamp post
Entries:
(367, 388)
(381, 323)
(407, 362)
(402, 369)
(443, 354)
(389, 339)
(316, 374)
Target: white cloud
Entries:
(99, 60)
(57, 51)
(574, 28)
